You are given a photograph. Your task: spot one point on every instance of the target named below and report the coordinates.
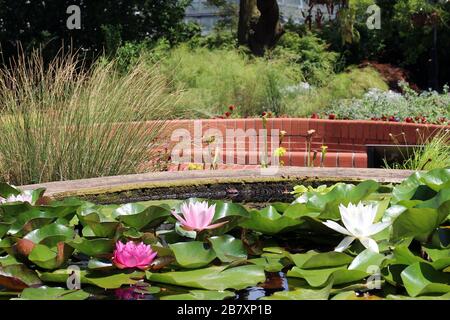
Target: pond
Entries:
(342, 241)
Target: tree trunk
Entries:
(259, 25)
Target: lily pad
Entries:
(50, 234)
(192, 254)
(18, 277)
(93, 247)
(139, 216)
(46, 293)
(201, 295)
(422, 278)
(268, 221)
(320, 277)
(213, 278)
(228, 248)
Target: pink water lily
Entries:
(197, 216)
(132, 255)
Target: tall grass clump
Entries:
(61, 121)
(212, 79)
(433, 153)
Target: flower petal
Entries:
(377, 228)
(344, 244)
(217, 225)
(182, 221)
(337, 227)
(370, 244)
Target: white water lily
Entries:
(17, 198)
(359, 225)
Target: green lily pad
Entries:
(422, 278)
(367, 259)
(320, 277)
(46, 293)
(6, 190)
(100, 220)
(50, 258)
(268, 221)
(302, 294)
(139, 216)
(213, 278)
(93, 247)
(50, 234)
(201, 295)
(313, 260)
(18, 277)
(192, 254)
(228, 248)
(108, 281)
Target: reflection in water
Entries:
(274, 282)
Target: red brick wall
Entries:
(346, 139)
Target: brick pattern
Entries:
(346, 140)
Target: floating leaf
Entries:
(139, 216)
(93, 247)
(268, 221)
(228, 248)
(201, 295)
(213, 278)
(192, 254)
(302, 294)
(50, 258)
(319, 277)
(313, 260)
(46, 293)
(50, 234)
(18, 277)
(422, 278)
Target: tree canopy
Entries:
(104, 23)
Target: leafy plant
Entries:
(39, 239)
(62, 123)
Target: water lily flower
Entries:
(359, 224)
(197, 216)
(132, 255)
(17, 198)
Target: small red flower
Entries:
(332, 116)
(409, 120)
(231, 108)
(227, 114)
(264, 114)
(314, 116)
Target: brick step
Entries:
(300, 159)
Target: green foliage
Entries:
(432, 154)
(315, 62)
(105, 25)
(211, 80)
(354, 82)
(62, 123)
(412, 262)
(377, 103)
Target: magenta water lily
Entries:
(132, 255)
(197, 216)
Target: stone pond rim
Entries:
(247, 185)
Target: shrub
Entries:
(315, 62)
(428, 106)
(352, 83)
(60, 123)
(213, 79)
